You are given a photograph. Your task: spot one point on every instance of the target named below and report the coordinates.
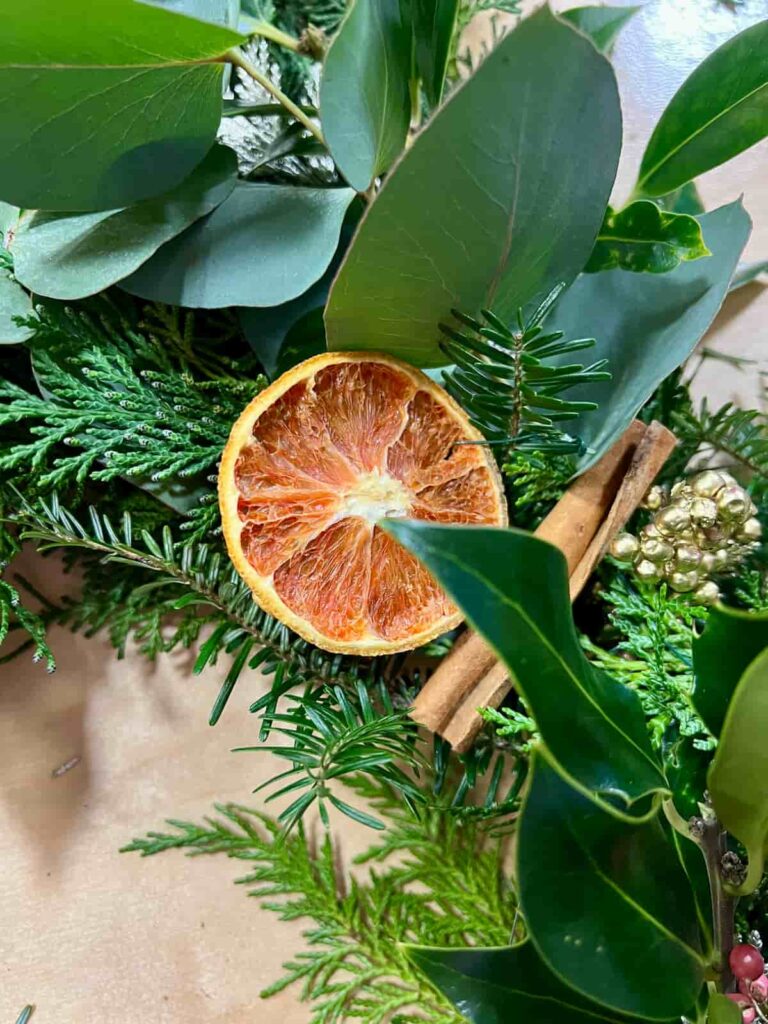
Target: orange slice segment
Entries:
(314, 462)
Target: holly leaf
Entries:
(365, 103)
(69, 256)
(14, 301)
(642, 237)
(720, 110)
(601, 24)
(265, 244)
(513, 588)
(499, 197)
(736, 778)
(731, 640)
(606, 903)
(646, 325)
(496, 986)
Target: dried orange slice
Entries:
(314, 462)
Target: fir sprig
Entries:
(510, 380)
(739, 434)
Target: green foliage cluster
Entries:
(114, 413)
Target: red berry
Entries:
(757, 989)
(746, 962)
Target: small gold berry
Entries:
(672, 520)
(708, 483)
(704, 512)
(647, 571)
(655, 498)
(707, 593)
(683, 581)
(733, 503)
(687, 556)
(624, 547)
(751, 530)
(656, 550)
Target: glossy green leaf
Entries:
(719, 111)
(746, 273)
(722, 1010)
(500, 196)
(14, 302)
(365, 104)
(498, 986)
(737, 776)
(606, 903)
(264, 245)
(513, 588)
(121, 99)
(69, 256)
(601, 24)
(731, 640)
(433, 22)
(646, 325)
(642, 237)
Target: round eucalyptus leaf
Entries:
(264, 245)
(69, 256)
(14, 302)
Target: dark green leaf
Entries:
(14, 302)
(499, 197)
(737, 776)
(264, 245)
(434, 22)
(606, 903)
(69, 256)
(720, 110)
(731, 640)
(641, 237)
(601, 24)
(722, 1010)
(365, 103)
(646, 325)
(113, 103)
(514, 590)
(306, 338)
(266, 329)
(746, 273)
(497, 986)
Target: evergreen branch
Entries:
(14, 616)
(741, 434)
(507, 382)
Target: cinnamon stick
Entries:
(571, 525)
(655, 447)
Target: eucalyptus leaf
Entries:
(9, 220)
(685, 199)
(499, 197)
(497, 986)
(722, 1010)
(731, 639)
(264, 245)
(739, 769)
(720, 110)
(121, 99)
(601, 24)
(746, 273)
(14, 302)
(433, 23)
(266, 329)
(646, 325)
(306, 338)
(70, 256)
(606, 903)
(219, 12)
(513, 588)
(365, 102)
(642, 237)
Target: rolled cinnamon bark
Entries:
(571, 525)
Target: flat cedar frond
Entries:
(115, 401)
(355, 968)
(510, 380)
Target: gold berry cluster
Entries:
(704, 526)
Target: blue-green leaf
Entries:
(601, 24)
(14, 302)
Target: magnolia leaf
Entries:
(606, 903)
(500, 197)
(121, 99)
(497, 986)
(738, 773)
(513, 588)
(646, 325)
(433, 22)
(720, 110)
(642, 237)
(14, 302)
(69, 256)
(264, 245)
(746, 273)
(731, 640)
(365, 103)
(601, 24)
(722, 1010)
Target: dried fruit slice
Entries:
(314, 462)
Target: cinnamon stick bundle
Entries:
(582, 525)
